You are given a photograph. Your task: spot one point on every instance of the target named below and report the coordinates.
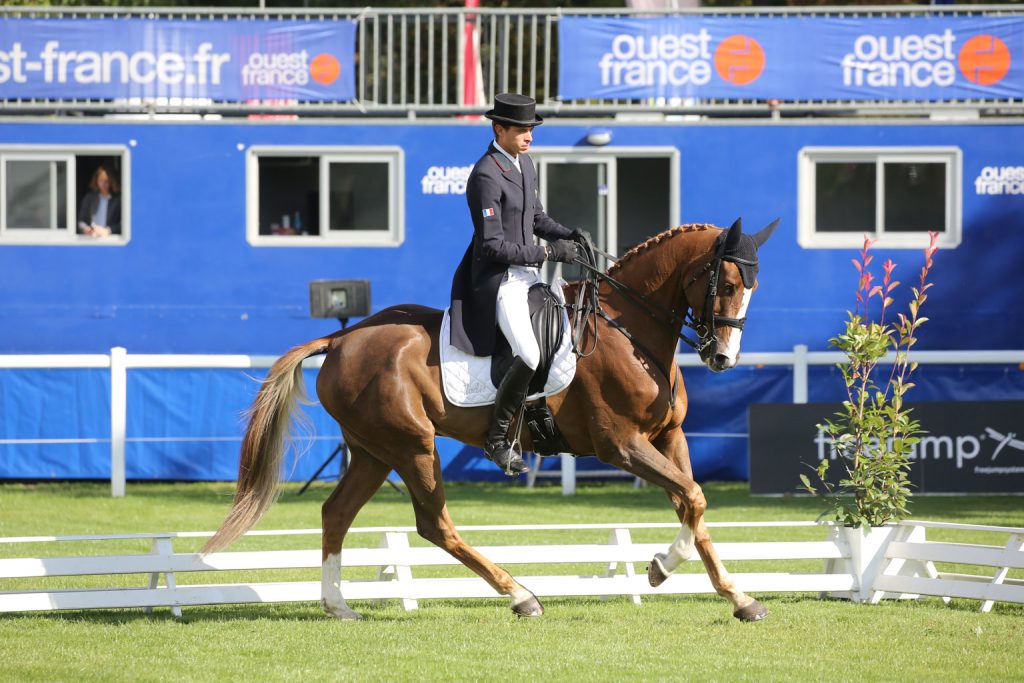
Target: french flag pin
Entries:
(488, 213)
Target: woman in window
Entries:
(100, 212)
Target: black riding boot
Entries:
(511, 395)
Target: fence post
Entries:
(800, 373)
(164, 548)
(118, 418)
(568, 474)
(621, 537)
(399, 541)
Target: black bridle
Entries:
(588, 302)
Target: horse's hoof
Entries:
(340, 613)
(656, 573)
(529, 607)
(755, 611)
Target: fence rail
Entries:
(395, 560)
(412, 61)
(119, 361)
(895, 561)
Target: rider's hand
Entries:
(565, 251)
(580, 235)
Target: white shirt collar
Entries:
(513, 159)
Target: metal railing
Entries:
(411, 63)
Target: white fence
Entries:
(909, 565)
(901, 563)
(119, 361)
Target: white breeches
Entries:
(514, 313)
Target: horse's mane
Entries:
(657, 239)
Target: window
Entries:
(621, 196)
(46, 192)
(896, 195)
(328, 196)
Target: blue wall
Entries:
(188, 282)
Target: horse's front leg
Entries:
(668, 466)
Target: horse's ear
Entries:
(732, 238)
(762, 235)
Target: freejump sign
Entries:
(792, 58)
(968, 447)
(226, 60)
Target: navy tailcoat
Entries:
(507, 213)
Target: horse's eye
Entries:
(728, 289)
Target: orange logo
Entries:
(739, 59)
(324, 68)
(984, 59)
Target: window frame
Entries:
(68, 236)
(392, 155)
(809, 238)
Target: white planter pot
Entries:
(866, 551)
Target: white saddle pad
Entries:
(467, 379)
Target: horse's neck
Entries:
(657, 275)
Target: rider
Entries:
(490, 287)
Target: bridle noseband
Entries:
(707, 323)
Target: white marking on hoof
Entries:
(680, 551)
(520, 595)
(525, 603)
(341, 612)
(656, 573)
(330, 590)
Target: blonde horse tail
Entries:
(265, 443)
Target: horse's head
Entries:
(720, 291)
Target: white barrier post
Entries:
(118, 418)
(800, 373)
(568, 474)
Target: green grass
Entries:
(665, 638)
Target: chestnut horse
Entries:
(381, 380)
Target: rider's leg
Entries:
(513, 314)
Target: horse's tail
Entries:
(264, 444)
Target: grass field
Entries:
(665, 638)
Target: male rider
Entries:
(490, 287)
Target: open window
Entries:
(51, 195)
(894, 195)
(621, 195)
(328, 196)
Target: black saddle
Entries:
(546, 319)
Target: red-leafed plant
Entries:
(874, 435)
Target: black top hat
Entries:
(514, 110)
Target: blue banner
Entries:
(792, 58)
(231, 60)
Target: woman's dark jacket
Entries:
(88, 207)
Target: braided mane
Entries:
(658, 239)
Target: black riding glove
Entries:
(562, 250)
(580, 235)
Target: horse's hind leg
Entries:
(361, 480)
(435, 525)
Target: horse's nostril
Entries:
(721, 360)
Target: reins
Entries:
(588, 290)
(588, 305)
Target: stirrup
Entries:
(504, 455)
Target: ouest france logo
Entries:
(924, 60)
(290, 68)
(679, 59)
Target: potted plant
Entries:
(873, 434)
